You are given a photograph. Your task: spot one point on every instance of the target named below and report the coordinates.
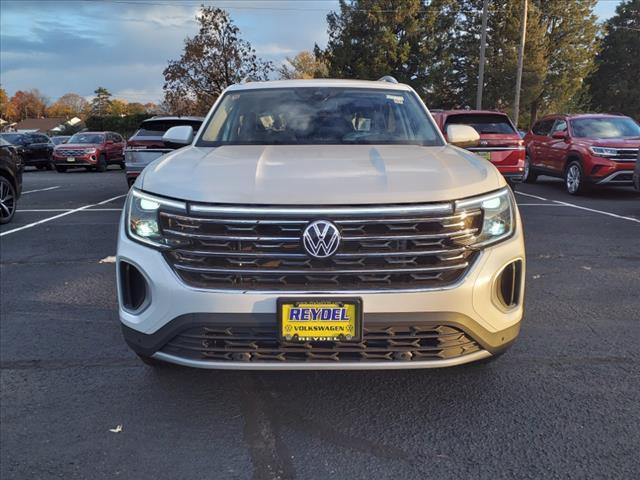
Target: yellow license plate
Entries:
(485, 155)
(320, 320)
(71, 159)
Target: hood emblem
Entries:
(321, 239)
(484, 142)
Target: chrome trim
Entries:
(392, 365)
(612, 178)
(312, 211)
(477, 201)
(309, 272)
(416, 253)
(496, 149)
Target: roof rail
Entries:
(388, 79)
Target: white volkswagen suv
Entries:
(320, 224)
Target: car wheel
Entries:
(574, 179)
(61, 168)
(50, 165)
(528, 175)
(122, 166)
(40, 167)
(102, 163)
(7, 200)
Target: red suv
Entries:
(500, 142)
(91, 150)
(585, 150)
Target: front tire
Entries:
(574, 182)
(61, 168)
(102, 164)
(528, 174)
(122, 166)
(7, 200)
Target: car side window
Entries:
(543, 127)
(560, 126)
(117, 138)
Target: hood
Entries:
(78, 145)
(615, 142)
(320, 175)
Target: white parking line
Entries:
(64, 214)
(41, 190)
(31, 210)
(539, 205)
(579, 207)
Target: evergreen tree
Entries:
(101, 103)
(614, 86)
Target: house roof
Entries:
(40, 124)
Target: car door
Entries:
(558, 147)
(43, 146)
(108, 146)
(30, 147)
(541, 146)
(119, 145)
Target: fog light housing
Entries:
(509, 284)
(133, 287)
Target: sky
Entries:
(124, 45)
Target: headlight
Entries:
(604, 151)
(498, 211)
(87, 151)
(143, 224)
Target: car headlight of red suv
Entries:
(603, 151)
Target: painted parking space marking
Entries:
(60, 215)
(41, 190)
(580, 207)
(41, 210)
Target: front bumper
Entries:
(83, 161)
(172, 307)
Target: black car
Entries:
(60, 139)
(35, 149)
(10, 180)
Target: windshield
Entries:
(320, 116)
(59, 140)
(86, 138)
(13, 138)
(608, 127)
(483, 123)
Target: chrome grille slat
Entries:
(404, 247)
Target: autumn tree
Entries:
(68, 105)
(4, 104)
(614, 86)
(101, 103)
(118, 107)
(135, 108)
(213, 59)
(28, 104)
(304, 65)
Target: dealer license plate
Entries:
(320, 319)
(71, 159)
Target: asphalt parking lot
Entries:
(562, 403)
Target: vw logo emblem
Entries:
(321, 239)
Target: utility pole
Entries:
(483, 46)
(523, 34)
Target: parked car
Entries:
(11, 167)
(60, 139)
(146, 144)
(34, 149)
(586, 150)
(320, 224)
(500, 141)
(91, 150)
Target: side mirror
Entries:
(560, 134)
(181, 135)
(463, 136)
(109, 142)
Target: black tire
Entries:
(574, 181)
(40, 167)
(61, 168)
(7, 200)
(122, 165)
(50, 165)
(101, 166)
(152, 362)
(529, 175)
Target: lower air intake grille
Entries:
(379, 344)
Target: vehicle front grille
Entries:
(70, 153)
(625, 155)
(379, 344)
(265, 252)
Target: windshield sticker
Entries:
(396, 98)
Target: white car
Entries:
(320, 224)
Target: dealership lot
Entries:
(561, 403)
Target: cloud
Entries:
(69, 46)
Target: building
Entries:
(46, 125)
